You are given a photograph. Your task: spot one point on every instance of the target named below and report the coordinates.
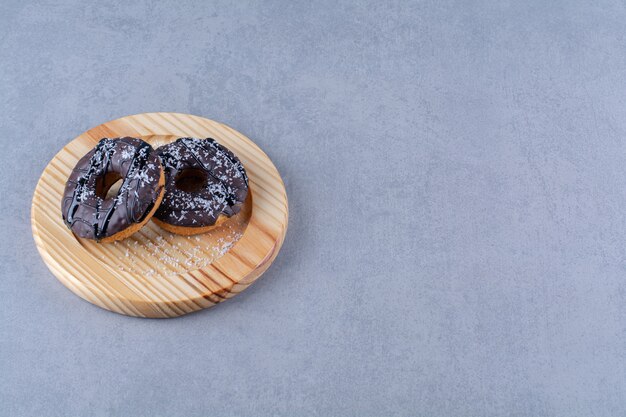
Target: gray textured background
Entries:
(456, 179)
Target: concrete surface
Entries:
(457, 181)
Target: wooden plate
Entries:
(155, 273)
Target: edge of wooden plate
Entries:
(134, 295)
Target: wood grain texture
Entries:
(155, 273)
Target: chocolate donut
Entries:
(85, 207)
(205, 183)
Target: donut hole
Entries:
(191, 180)
(108, 185)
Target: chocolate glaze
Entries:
(84, 209)
(225, 190)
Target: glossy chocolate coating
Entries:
(87, 213)
(224, 190)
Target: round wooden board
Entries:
(155, 273)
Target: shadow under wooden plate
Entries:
(155, 273)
